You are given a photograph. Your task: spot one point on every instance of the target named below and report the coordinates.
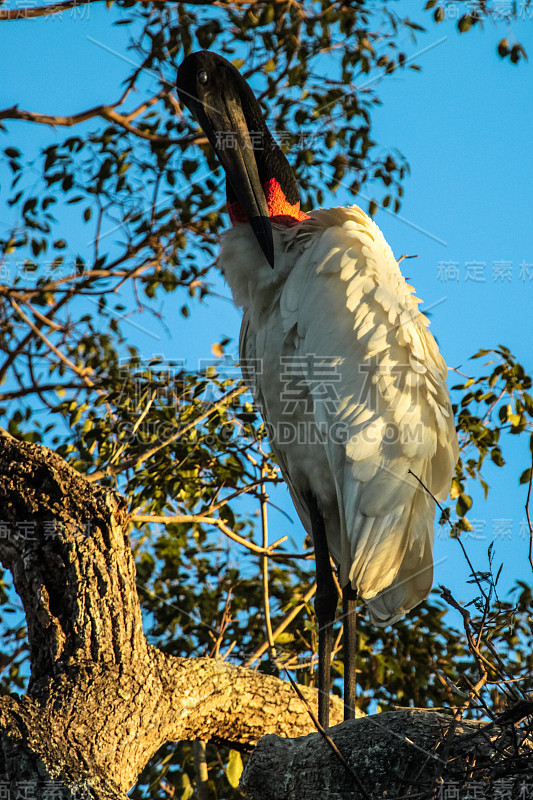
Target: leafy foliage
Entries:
(490, 405)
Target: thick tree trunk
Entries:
(101, 700)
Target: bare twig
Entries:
(328, 738)
(282, 626)
(9, 14)
(528, 516)
(225, 500)
(481, 660)
(82, 373)
(263, 500)
(19, 348)
(472, 570)
(138, 423)
(204, 519)
(224, 622)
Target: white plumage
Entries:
(338, 304)
(343, 369)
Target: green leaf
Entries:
(188, 789)
(525, 477)
(234, 769)
(465, 23)
(517, 52)
(464, 502)
(496, 456)
(503, 47)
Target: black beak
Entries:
(223, 121)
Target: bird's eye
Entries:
(202, 77)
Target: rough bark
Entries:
(101, 700)
(400, 754)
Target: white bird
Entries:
(342, 367)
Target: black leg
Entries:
(349, 618)
(325, 605)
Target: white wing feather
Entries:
(338, 302)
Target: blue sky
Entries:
(464, 124)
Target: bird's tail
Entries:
(392, 567)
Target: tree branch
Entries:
(66, 5)
(397, 754)
(106, 112)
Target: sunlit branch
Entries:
(24, 391)
(202, 520)
(106, 112)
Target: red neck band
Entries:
(279, 209)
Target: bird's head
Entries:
(259, 181)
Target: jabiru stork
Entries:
(341, 364)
